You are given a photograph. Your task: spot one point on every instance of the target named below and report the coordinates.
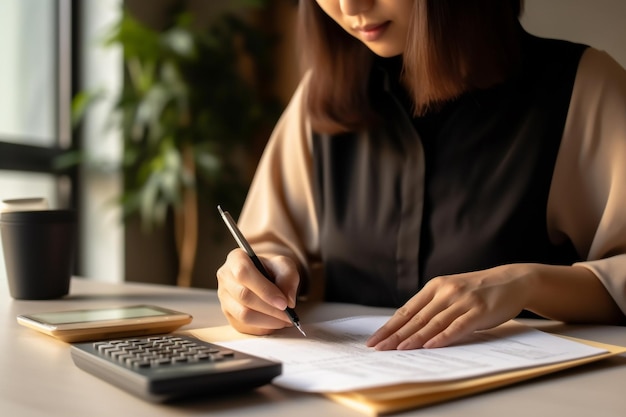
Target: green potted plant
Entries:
(188, 112)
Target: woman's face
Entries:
(382, 25)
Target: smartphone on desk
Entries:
(105, 323)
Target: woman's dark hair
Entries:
(453, 46)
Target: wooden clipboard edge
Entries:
(391, 399)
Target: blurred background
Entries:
(143, 115)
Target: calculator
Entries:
(172, 367)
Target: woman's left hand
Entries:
(449, 308)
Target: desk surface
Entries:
(38, 377)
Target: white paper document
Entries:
(334, 358)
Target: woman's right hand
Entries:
(251, 303)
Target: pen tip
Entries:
(300, 329)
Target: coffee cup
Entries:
(23, 204)
(38, 247)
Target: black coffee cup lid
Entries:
(36, 216)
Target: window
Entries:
(35, 80)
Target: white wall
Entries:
(598, 23)
(102, 253)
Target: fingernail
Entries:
(279, 303)
(383, 346)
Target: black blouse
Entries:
(461, 189)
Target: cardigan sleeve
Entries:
(278, 216)
(587, 202)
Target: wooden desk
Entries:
(38, 377)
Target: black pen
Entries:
(243, 244)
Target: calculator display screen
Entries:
(79, 316)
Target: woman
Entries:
(438, 159)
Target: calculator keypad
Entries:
(160, 351)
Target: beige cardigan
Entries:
(587, 201)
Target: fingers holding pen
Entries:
(286, 277)
(247, 297)
(246, 320)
